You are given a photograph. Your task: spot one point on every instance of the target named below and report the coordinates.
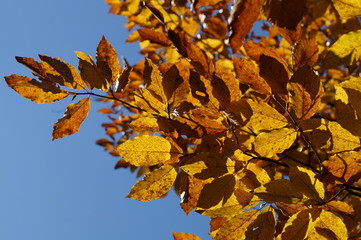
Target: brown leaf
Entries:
(61, 72)
(107, 61)
(306, 92)
(285, 14)
(291, 36)
(35, 67)
(154, 36)
(90, 73)
(198, 57)
(124, 77)
(305, 53)
(243, 15)
(73, 117)
(247, 73)
(38, 92)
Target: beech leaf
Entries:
(74, 116)
(154, 185)
(145, 150)
(38, 92)
(348, 8)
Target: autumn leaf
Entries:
(243, 16)
(236, 227)
(346, 50)
(107, 61)
(154, 36)
(184, 236)
(305, 181)
(347, 8)
(267, 144)
(305, 53)
(145, 150)
(263, 228)
(154, 185)
(38, 92)
(331, 225)
(153, 80)
(297, 226)
(73, 117)
(305, 92)
(90, 73)
(61, 72)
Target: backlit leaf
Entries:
(153, 80)
(331, 222)
(61, 72)
(145, 150)
(345, 51)
(185, 236)
(38, 92)
(267, 144)
(243, 16)
(236, 227)
(305, 53)
(154, 185)
(90, 73)
(348, 8)
(278, 191)
(263, 228)
(297, 226)
(154, 36)
(107, 61)
(306, 92)
(73, 117)
(304, 181)
(145, 124)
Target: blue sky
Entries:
(68, 189)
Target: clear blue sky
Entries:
(67, 189)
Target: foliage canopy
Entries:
(258, 130)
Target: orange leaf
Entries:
(305, 53)
(73, 117)
(154, 36)
(185, 236)
(107, 61)
(38, 92)
(243, 15)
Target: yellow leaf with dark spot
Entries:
(154, 185)
(38, 92)
(346, 50)
(332, 225)
(73, 117)
(268, 144)
(145, 150)
(145, 124)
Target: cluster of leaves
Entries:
(259, 133)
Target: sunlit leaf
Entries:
(185, 236)
(305, 53)
(107, 61)
(297, 226)
(345, 51)
(73, 117)
(145, 150)
(267, 144)
(38, 92)
(154, 185)
(348, 8)
(331, 225)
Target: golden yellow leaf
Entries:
(264, 117)
(346, 50)
(341, 207)
(341, 139)
(145, 150)
(348, 8)
(185, 236)
(304, 181)
(90, 73)
(297, 226)
(154, 185)
(344, 165)
(280, 190)
(268, 144)
(107, 61)
(38, 92)
(351, 93)
(305, 92)
(145, 124)
(331, 222)
(145, 100)
(236, 226)
(207, 165)
(153, 80)
(73, 117)
(261, 174)
(61, 72)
